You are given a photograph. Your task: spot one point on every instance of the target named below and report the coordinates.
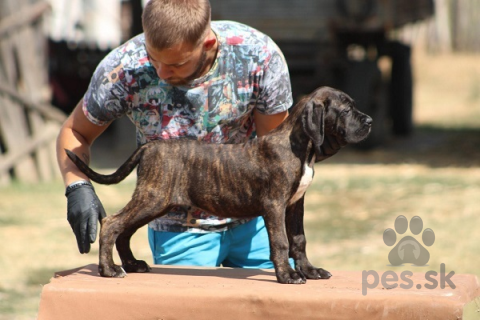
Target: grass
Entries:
(347, 209)
(355, 196)
(348, 212)
(36, 241)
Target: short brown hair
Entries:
(169, 22)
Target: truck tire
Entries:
(363, 82)
(401, 89)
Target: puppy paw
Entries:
(291, 277)
(310, 271)
(136, 266)
(112, 272)
(316, 273)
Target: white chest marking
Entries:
(305, 181)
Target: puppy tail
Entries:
(125, 169)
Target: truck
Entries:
(346, 44)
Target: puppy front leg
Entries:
(298, 243)
(275, 224)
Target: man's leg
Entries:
(249, 246)
(187, 249)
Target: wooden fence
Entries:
(455, 27)
(28, 123)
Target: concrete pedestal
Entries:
(222, 293)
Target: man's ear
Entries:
(210, 41)
(313, 124)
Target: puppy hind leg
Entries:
(131, 223)
(108, 235)
(119, 229)
(129, 262)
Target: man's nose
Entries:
(164, 71)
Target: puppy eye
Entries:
(346, 111)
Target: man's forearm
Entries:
(67, 139)
(266, 123)
(77, 134)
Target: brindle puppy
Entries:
(267, 176)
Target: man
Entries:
(186, 76)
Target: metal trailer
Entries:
(340, 43)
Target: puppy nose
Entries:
(368, 121)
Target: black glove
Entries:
(83, 210)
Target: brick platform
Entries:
(223, 293)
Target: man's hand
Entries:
(83, 210)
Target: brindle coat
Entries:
(267, 176)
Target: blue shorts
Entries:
(245, 246)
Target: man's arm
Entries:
(84, 208)
(266, 123)
(77, 134)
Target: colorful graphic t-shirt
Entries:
(249, 73)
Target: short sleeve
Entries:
(276, 90)
(105, 99)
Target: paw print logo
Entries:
(408, 249)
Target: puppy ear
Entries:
(313, 124)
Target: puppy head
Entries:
(343, 119)
(331, 121)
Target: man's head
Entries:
(179, 41)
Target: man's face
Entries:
(179, 64)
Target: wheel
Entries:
(363, 82)
(401, 89)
